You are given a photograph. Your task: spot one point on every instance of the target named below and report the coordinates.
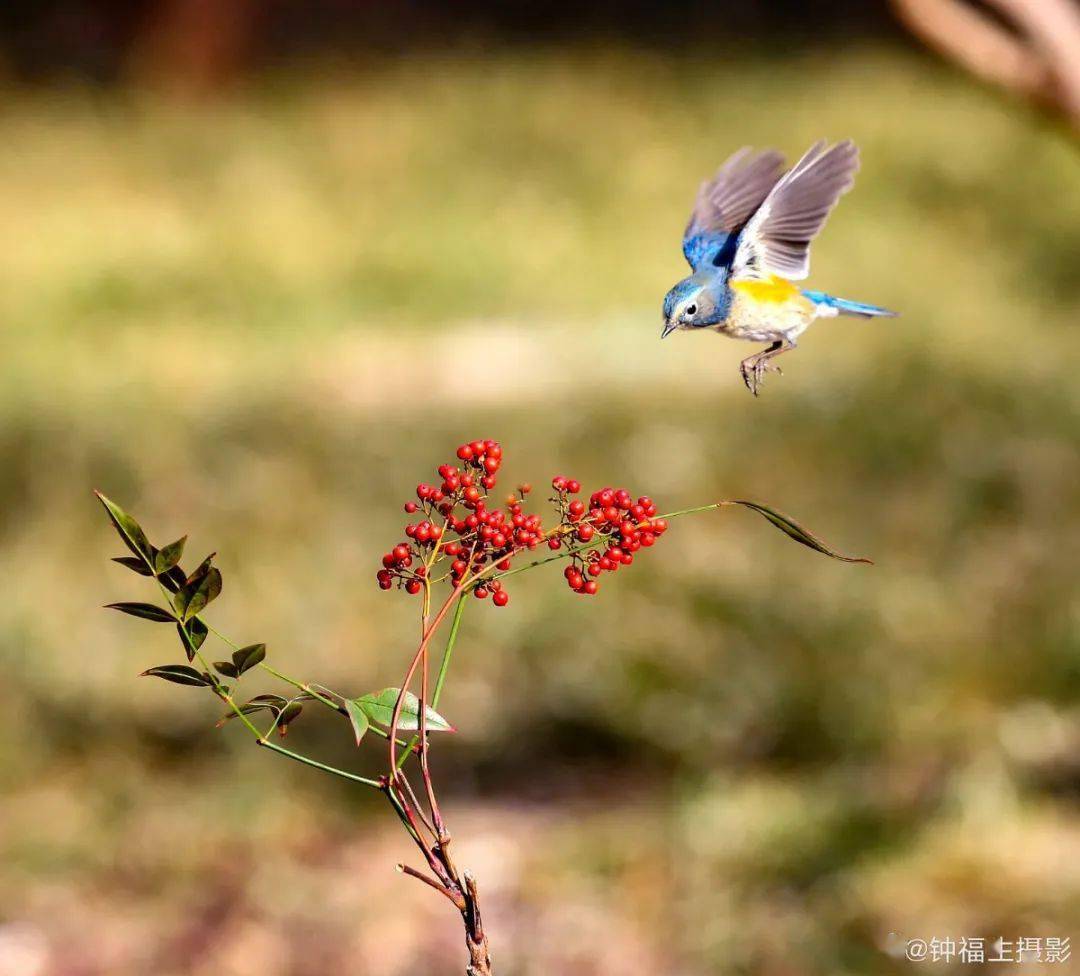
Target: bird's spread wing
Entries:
(727, 201)
(776, 241)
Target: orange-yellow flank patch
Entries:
(775, 290)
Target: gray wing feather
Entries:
(729, 199)
(777, 238)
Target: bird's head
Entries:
(691, 304)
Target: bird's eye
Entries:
(691, 309)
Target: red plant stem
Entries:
(419, 657)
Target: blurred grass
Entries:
(263, 320)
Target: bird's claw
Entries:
(753, 370)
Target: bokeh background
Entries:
(263, 266)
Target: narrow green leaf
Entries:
(193, 598)
(129, 530)
(179, 674)
(226, 668)
(202, 569)
(288, 715)
(166, 558)
(135, 563)
(174, 579)
(379, 707)
(145, 610)
(196, 633)
(358, 718)
(793, 530)
(247, 657)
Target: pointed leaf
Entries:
(358, 718)
(288, 714)
(247, 657)
(379, 707)
(130, 530)
(179, 674)
(202, 569)
(196, 632)
(793, 530)
(226, 668)
(166, 558)
(174, 579)
(145, 610)
(192, 598)
(135, 563)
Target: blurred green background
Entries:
(262, 315)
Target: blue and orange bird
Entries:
(748, 241)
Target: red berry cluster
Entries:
(461, 540)
(604, 534)
(483, 536)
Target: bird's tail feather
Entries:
(841, 306)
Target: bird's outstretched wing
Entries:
(776, 240)
(726, 202)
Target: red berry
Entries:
(558, 483)
(585, 532)
(491, 464)
(576, 580)
(400, 553)
(525, 488)
(589, 587)
(411, 507)
(501, 599)
(573, 486)
(413, 586)
(554, 543)
(577, 509)
(477, 449)
(465, 452)
(480, 592)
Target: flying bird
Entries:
(748, 241)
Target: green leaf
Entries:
(174, 579)
(288, 714)
(145, 610)
(247, 657)
(358, 718)
(130, 531)
(135, 563)
(196, 632)
(379, 707)
(269, 703)
(226, 668)
(193, 598)
(179, 674)
(202, 569)
(793, 530)
(166, 558)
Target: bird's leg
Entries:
(754, 368)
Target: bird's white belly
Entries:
(765, 321)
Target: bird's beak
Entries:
(669, 327)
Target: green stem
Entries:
(691, 511)
(444, 666)
(352, 777)
(219, 690)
